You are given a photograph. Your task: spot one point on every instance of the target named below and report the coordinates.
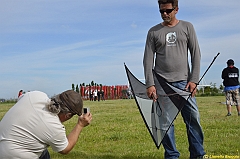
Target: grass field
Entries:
(118, 132)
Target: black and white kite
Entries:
(159, 115)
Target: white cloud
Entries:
(133, 25)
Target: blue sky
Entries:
(48, 45)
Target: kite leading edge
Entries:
(158, 116)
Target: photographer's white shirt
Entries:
(28, 128)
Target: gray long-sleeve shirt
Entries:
(171, 46)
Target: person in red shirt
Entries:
(20, 93)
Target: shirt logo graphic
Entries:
(232, 75)
(171, 39)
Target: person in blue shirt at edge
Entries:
(230, 76)
(170, 42)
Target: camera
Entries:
(86, 110)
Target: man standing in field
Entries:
(35, 123)
(230, 76)
(170, 42)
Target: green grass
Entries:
(117, 131)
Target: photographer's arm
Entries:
(83, 121)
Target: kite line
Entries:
(154, 115)
(201, 79)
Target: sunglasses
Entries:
(166, 10)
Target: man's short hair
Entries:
(174, 2)
(230, 62)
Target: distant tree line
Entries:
(77, 87)
(211, 90)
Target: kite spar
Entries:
(158, 116)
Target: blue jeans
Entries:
(45, 155)
(191, 118)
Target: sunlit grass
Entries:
(118, 131)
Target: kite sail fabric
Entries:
(158, 116)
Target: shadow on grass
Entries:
(106, 156)
(117, 157)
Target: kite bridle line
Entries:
(154, 95)
(198, 84)
(158, 104)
